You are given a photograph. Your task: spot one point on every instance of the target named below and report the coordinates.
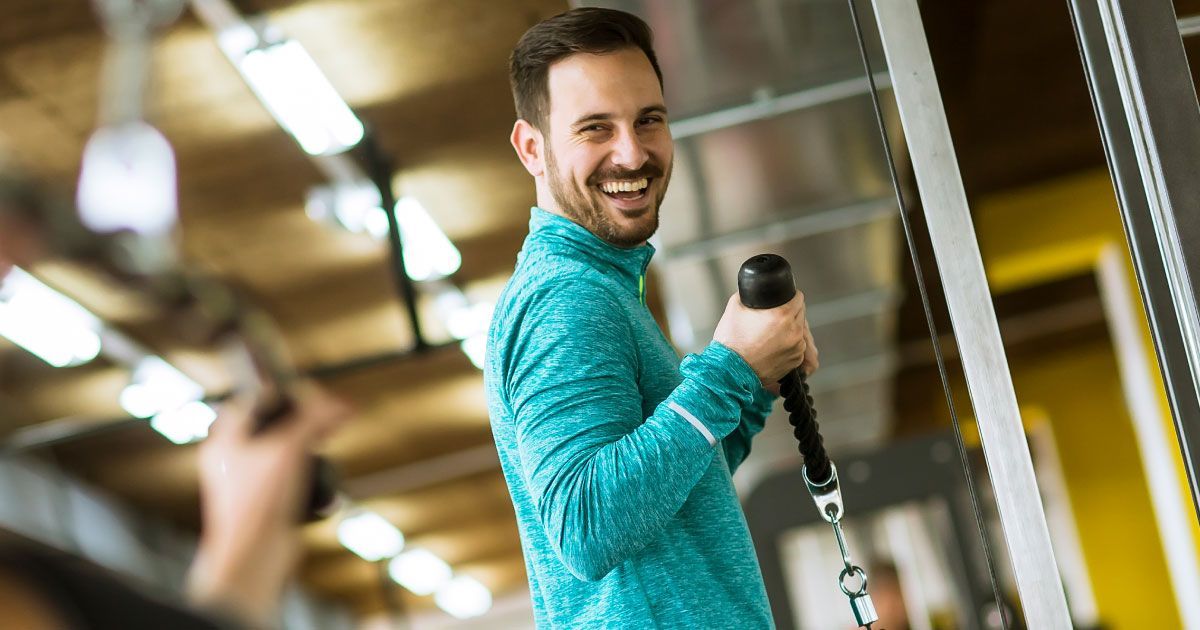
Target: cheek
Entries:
(664, 151)
(584, 165)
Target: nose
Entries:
(628, 152)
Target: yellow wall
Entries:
(1039, 235)
(1081, 395)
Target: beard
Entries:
(587, 208)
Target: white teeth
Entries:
(624, 186)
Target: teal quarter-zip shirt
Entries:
(618, 455)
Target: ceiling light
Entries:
(185, 424)
(45, 322)
(127, 180)
(465, 321)
(157, 387)
(419, 571)
(475, 348)
(139, 400)
(354, 207)
(428, 254)
(296, 92)
(470, 321)
(370, 536)
(464, 597)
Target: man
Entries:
(617, 455)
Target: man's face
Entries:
(608, 150)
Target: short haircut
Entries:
(584, 30)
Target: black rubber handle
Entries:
(765, 281)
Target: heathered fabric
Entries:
(627, 512)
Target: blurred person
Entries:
(887, 596)
(618, 456)
(252, 489)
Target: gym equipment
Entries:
(765, 282)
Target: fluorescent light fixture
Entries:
(465, 321)
(127, 181)
(157, 387)
(47, 323)
(139, 400)
(172, 400)
(419, 571)
(354, 207)
(468, 322)
(358, 208)
(375, 222)
(185, 424)
(464, 597)
(476, 349)
(236, 37)
(296, 92)
(428, 254)
(369, 536)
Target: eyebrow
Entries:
(587, 118)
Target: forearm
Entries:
(754, 416)
(244, 583)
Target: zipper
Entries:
(642, 281)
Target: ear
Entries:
(527, 141)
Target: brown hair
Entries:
(584, 30)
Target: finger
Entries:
(799, 308)
(320, 413)
(235, 421)
(811, 355)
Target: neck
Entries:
(545, 200)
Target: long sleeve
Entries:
(605, 481)
(754, 417)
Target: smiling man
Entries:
(618, 455)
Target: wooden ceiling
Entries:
(428, 76)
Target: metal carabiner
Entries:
(826, 494)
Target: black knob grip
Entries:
(765, 281)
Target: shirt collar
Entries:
(563, 235)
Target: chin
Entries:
(636, 230)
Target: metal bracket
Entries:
(827, 494)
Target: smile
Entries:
(636, 185)
(625, 190)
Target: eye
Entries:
(646, 121)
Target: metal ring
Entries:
(848, 571)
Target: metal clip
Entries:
(860, 601)
(827, 494)
(829, 501)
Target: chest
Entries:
(658, 363)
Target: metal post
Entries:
(379, 169)
(1150, 121)
(972, 314)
